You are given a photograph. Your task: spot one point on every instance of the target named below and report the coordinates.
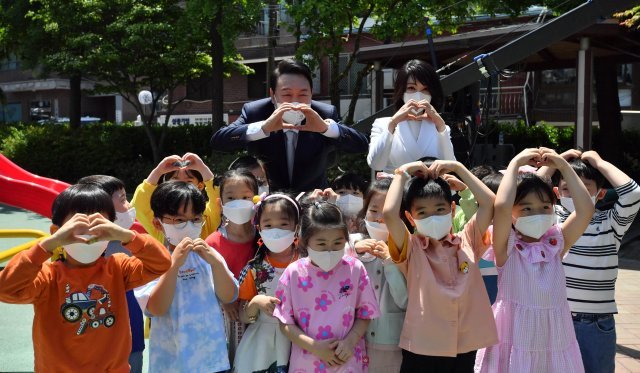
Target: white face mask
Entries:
(377, 231)
(277, 240)
(126, 219)
(435, 226)
(326, 260)
(567, 203)
(535, 226)
(416, 96)
(263, 189)
(175, 235)
(239, 211)
(294, 117)
(349, 204)
(86, 253)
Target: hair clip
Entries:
(317, 204)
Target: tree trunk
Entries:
(608, 104)
(356, 93)
(75, 98)
(217, 69)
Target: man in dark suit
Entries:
(292, 135)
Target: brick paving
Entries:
(628, 317)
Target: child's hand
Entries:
(381, 250)
(550, 158)
(196, 163)
(181, 252)
(68, 233)
(365, 246)
(571, 154)
(205, 251)
(592, 158)
(325, 351)
(232, 310)
(344, 349)
(454, 183)
(324, 195)
(166, 165)
(440, 167)
(417, 168)
(530, 156)
(105, 230)
(265, 303)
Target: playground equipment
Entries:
(22, 189)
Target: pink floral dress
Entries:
(324, 305)
(531, 311)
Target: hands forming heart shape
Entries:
(539, 157)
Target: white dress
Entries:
(410, 141)
(263, 347)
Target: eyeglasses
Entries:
(181, 223)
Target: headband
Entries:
(271, 196)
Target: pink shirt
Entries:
(448, 311)
(325, 305)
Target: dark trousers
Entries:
(413, 363)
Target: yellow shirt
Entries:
(142, 202)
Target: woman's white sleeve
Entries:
(445, 144)
(380, 145)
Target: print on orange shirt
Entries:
(93, 307)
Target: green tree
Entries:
(221, 22)
(324, 27)
(52, 37)
(147, 44)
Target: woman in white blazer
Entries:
(416, 130)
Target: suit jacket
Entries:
(312, 151)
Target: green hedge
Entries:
(59, 152)
(62, 153)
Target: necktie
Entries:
(292, 136)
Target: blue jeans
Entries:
(596, 336)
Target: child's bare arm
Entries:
(393, 203)
(345, 347)
(162, 295)
(548, 171)
(612, 173)
(225, 284)
(483, 195)
(324, 350)
(502, 214)
(578, 221)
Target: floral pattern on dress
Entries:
(327, 310)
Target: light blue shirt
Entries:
(190, 337)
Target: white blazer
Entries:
(389, 151)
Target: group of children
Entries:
(355, 278)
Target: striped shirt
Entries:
(591, 266)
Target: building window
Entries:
(10, 113)
(200, 89)
(257, 82)
(9, 63)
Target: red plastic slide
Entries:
(12, 170)
(22, 189)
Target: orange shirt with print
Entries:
(81, 321)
